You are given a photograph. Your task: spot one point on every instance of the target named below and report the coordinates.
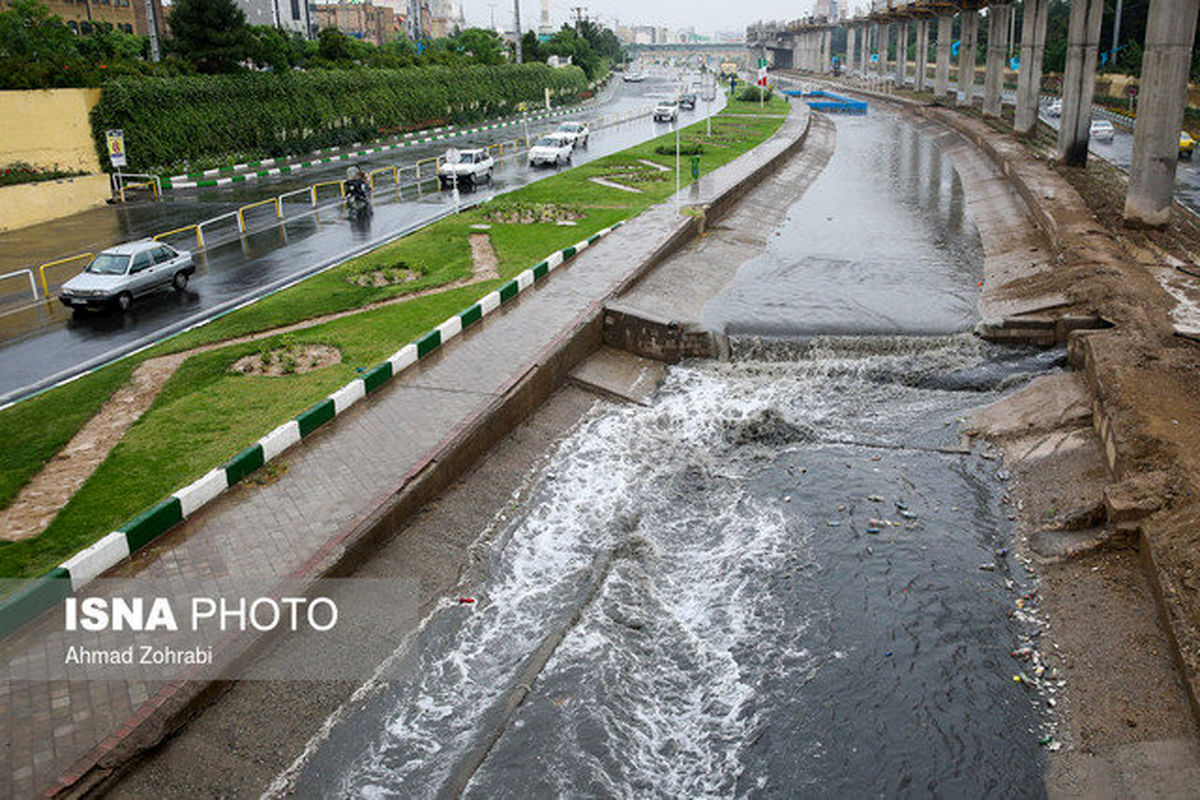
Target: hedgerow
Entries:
(173, 122)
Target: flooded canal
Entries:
(768, 582)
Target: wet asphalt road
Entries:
(46, 342)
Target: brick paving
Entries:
(53, 729)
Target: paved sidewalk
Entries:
(56, 729)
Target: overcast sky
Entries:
(704, 15)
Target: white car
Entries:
(576, 132)
(1102, 130)
(120, 273)
(553, 149)
(472, 168)
(666, 111)
(633, 77)
(1054, 109)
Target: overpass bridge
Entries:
(879, 41)
(692, 52)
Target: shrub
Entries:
(754, 94)
(170, 122)
(685, 149)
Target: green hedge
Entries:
(177, 122)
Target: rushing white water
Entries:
(657, 545)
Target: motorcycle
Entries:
(358, 199)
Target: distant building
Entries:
(288, 15)
(447, 17)
(559, 61)
(366, 21)
(83, 17)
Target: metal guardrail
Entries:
(28, 273)
(158, 237)
(55, 263)
(241, 212)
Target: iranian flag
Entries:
(762, 72)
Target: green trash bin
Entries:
(695, 166)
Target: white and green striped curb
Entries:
(80, 569)
(199, 180)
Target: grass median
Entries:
(207, 412)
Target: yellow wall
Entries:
(44, 127)
(31, 203)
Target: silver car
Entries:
(121, 273)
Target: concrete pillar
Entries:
(851, 46)
(827, 50)
(997, 58)
(941, 74)
(1029, 78)
(966, 57)
(1079, 82)
(922, 54)
(865, 61)
(1170, 34)
(885, 43)
(901, 53)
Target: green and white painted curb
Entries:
(200, 180)
(80, 569)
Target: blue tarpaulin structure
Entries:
(829, 102)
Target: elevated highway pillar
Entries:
(883, 33)
(922, 54)
(941, 73)
(1170, 34)
(851, 47)
(865, 60)
(966, 57)
(827, 50)
(997, 58)
(901, 53)
(1079, 82)
(1029, 78)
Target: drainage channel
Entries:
(782, 576)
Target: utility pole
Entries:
(578, 10)
(152, 26)
(517, 26)
(1116, 32)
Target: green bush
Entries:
(174, 122)
(754, 94)
(685, 149)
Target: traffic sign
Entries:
(116, 147)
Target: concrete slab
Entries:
(1046, 404)
(617, 374)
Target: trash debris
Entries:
(988, 567)
(1003, 475)
(834, 523)
(874, 530)
(787, 498)
(1002, 552)
(465, 600)
(874, 498)
(907, 514)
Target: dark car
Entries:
(688, 101)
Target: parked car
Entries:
(1102, 130)
(687, 100)
(472, 168)
(553, 149)
(121, 273)
(633, 77)
(1187, 145)
(666, 111)
(575, 132)
(1054, 109)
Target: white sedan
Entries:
(1102, 130)
(577, 132)
(553, 149)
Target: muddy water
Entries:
(880, 244)
(765, 584)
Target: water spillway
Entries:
(766, 582)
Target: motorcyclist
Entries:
(357, 188)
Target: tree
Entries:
(481, 45)
(211, 34)
(37, 49)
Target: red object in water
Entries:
(466, 600)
